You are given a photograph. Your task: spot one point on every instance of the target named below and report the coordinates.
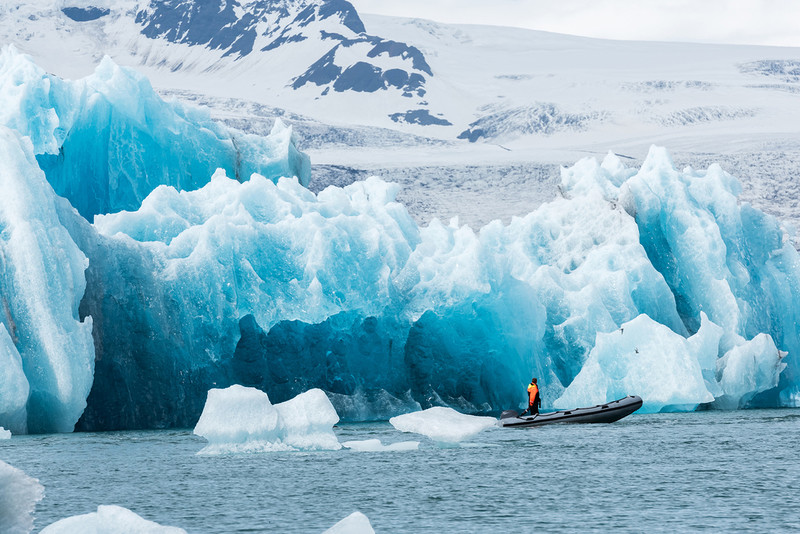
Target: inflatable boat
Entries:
(602, 413)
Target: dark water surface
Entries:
(707, 471)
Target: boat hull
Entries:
(602, 413)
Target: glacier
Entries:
(150, 255)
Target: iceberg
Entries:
(242, 420)
(109, 520)
(46, 348)
(239, 419)
(14, 388)
(648, 359)
(19, 494)
(308, 421)
(355, 523)
(262, 279)
(282, 290)
(5, 434)
(730, 260)
(749, 368)
(442, 424)
(375, 445)
(150, 255)
(94, 145)
(106, 141)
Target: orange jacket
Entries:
(533, 394)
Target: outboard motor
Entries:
(508, 414)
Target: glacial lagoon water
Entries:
(704, 471)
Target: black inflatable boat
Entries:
(602, 413)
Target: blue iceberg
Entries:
(95, 145)
(106, 141)
(280, 289)
(199, 260)
(45, 347)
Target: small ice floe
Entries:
(109, 520)
(19, 494)
(375, 445)
(355, 523)
(5, 434)
(443, 425)
(239, 419)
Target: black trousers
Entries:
(533, 409)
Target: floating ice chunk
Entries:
(355, 523)
(375, 445)
(308, 421)
(19, 494)
(5, 434)
(242, 419)
(441, 424)
(648, 359)
(109, 520)
(748, 369)
(239, 419)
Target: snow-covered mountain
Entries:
(311, 46)
(473, 120)
(322, 59)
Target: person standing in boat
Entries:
(534, 400)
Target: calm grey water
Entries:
(708, 471)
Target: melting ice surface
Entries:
(650, 281)
(109, 520)
(19, 494)
(442, 424)
(241, 419)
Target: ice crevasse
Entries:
(652, 281)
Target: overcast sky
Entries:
(767, 22)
